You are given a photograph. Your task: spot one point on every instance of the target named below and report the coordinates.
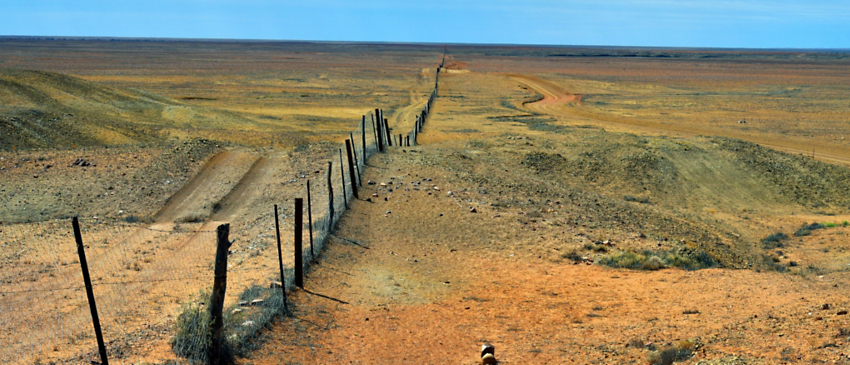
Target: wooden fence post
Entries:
(330, 199)
(363, 135)
(356, 163)
(348, 148)
(389, 132)
(310, 220)
(219, 288)
(342, 177)
(280, 259)
(379, 131)
(81, 252)
(299, 227)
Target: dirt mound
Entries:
(48, 110)
(800, 179)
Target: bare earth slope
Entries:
(44, 109)
(421, 279)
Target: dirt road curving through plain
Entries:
(558, 102)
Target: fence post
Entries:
(342, 177)
(379, 131)
(280, 259)
(356, 163)
(219, 288)
(348, 148)
(330, 199)
(81, 251)
(299, 226)
(363, 135)
(310, 220)
(389, 132)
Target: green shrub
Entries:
(829, 225)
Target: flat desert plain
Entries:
(567, 205)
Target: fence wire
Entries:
(145, 275)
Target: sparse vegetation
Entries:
(193, 330)
(630, 198)
(573, 256)
(685, 258)
(774, 240)
(680, 351)
(807, 229)
(773, 263)
(242, 328)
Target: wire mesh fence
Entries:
(144, 275)
(150, 279)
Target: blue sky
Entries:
(686, 23)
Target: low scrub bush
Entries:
(193, 331)
(630, 198)
(242, 329)
(685, 258)
(773, 263)
(774, 240)
(807, 229)
(573, 256)
(680, 351)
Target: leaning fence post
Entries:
(310, 220)
(363, 135)
(389, 132)
(299, 226)
(351, 169)
(75, 223)
(219, 288)
(342, 177)
(280, 259)
(330, 199)
(356, 163)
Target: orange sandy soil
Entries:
(426, 281)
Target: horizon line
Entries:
(267, 40)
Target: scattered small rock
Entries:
(370, 182)
(257, 302)
(825, 306)
(275, 285)
(473, 210)
(841, 312)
